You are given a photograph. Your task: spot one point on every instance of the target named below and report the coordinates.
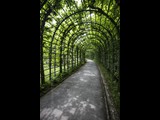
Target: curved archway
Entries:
(72, 30)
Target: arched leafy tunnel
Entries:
(73, 30)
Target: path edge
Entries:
(110, 109)
(54, 88)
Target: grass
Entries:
(113, 86)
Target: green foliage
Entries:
(45, 87)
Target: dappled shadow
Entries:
(79, 97)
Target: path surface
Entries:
(79, 97)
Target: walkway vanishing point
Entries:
(79, 97)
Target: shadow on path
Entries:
(79, 97)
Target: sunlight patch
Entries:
(57, 113)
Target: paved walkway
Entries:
(79, 97)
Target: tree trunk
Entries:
(41, 61)
(77, 56)
(41, 47)
(60, 56)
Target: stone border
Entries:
(110, 109)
